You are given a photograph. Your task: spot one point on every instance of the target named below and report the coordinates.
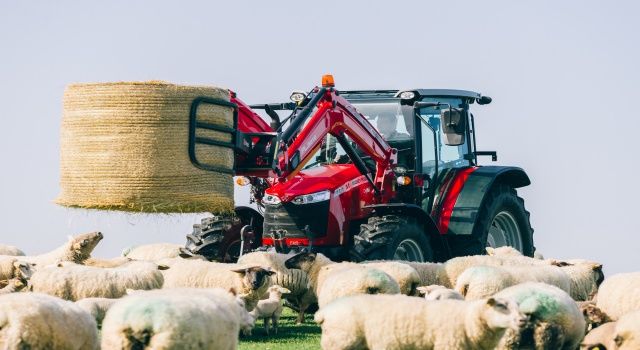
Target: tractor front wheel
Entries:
(391, 237)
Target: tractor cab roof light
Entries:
(327, 81)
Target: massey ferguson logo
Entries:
(350, 185)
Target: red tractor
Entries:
(375, 174)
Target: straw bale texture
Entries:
(124, 146)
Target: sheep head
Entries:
(82, 245)
(500, 313)
(302, 261)
(278, 291)
(22, 270)
(254, 276)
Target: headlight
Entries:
(407, 95)
(313, 197)
(297, 96)
(271, 199)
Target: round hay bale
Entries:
(124, 146)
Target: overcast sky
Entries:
(563, 76)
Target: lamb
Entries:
(251, 282)
(271, 308)
(347, 281)
(39, 321)
(503, 251)
(362, 279)
(619, 294)
(153, 252)
(407, 277)
(13, 285)
(74, 282)
(555, 322)
(10, 250)
(182, 318)
(437, 292)
(600, 338)
(96, 307)
(296, 281)
(627, 333)
(403, 322)
(11, 267)
(77, 249)
(478, 282)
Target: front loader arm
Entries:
(336, 116)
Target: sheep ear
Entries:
(284, 290)
(233, 291)
(240, 271)
(185, 253)
(269, 271)
(490, 251)
(423, 290)
(163, 267)
(492, 302)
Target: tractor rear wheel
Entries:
(503, 221)
(391, 237)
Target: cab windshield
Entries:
(393, 121)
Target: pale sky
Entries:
(563, 76)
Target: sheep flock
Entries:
(152, 297)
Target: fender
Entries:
(410, 210)
(477, 184)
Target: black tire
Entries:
(502, 202)
(381, 237)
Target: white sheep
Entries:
(352, 280)
(76, 249)
(10, 250)
(39, 321)
(456, 266)
(153, 252)
(555, 322)
(627, 333)
(438, 292)
(430, 273)
(585, 276)
(362, 279)
(479, 282)
(114, 262)
(270, 309)
(407, 277)
(250, 282)
(182, 318)
(296, 281)
(96, 307)
(619, 294)
(13, 285)
(600, 338)
(11, 267)
(403, 322)
(74, 282)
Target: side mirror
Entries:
(453, 126)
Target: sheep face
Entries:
(301, 261)
(83, 244)
(255, 277)
(503, 313)
(22, 269)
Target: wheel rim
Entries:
(409, 250)
(504, 231)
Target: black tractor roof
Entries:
(373, 94)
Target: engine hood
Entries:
(326, 177)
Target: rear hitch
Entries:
(279, 242)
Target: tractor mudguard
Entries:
(407, 210)
(478, 183)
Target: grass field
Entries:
(290, 336)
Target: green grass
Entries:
(290, 336)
